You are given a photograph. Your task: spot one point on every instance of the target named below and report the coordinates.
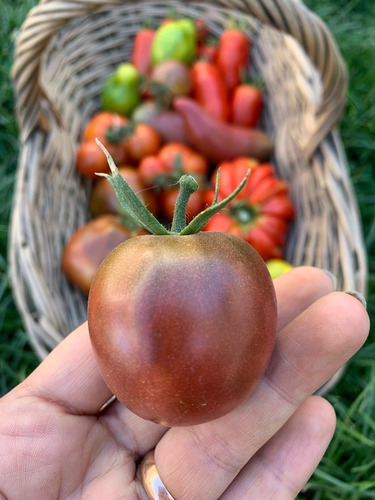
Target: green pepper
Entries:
(176, 40)
(120, 92)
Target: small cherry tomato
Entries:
(179, 156)
(89, 246)
(144, 141)
(90, 160)
(174, 76)
(151, 169)
(246, 105)
(121, 90)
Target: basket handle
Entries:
(288, 16)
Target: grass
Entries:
(347, 471)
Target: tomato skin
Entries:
(260, 213)
(89, 246)
(175, 76)
(90, 160)
(233, 56)
(141, 53)
(103, 198)
(246, 105)
(187, 350)
(145, 141)
(209, 89)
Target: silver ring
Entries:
(151, 481)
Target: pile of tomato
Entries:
(181, 105)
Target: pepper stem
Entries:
(188, 185)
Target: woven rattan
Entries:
(64, 52)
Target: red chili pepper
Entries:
(233, 56)
(209, 89)
(246, 105)
(141, 54)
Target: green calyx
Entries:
(143, 217)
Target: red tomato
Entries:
(176, 155)
(106, 126)
(182, 327)
(246, 105)
(91, 160)
(144, 141)
(209, 89)
(233, 56)
(260, 213)
(152, 168)
(103, 198)
(89, 246)
(207, 53)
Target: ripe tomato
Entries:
(103, 198)
(106, 126)
(144, 141)
(152, 169)
(191, 162)
(90, 160)
(260, 213)
(88, 247)
(209, 89)
(233, 56)
(141, 53)
(182, 327)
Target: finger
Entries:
(282, 467)
(298, 289)
(69, 376)
(201, 461)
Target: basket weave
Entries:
(64, 52)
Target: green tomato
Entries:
(277, 267)
(175, 41)
(120, 92)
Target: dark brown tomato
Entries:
(89, 246)
(182, 327)
(103, 198)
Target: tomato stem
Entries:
(188, 185)
(142, 216)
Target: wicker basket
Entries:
(66, 49)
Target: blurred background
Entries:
(348, 469)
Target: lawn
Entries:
(347, 471)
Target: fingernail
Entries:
(358, 296)
(332, 276)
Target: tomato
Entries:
(152, 169)
(88, 247)
(233, 56)
(260, 214)
(173, 75)
(141, 53)
(246, 105)
(103, 198)
(144, 141)
(209, 89)
(90, 160)
(207, 53)
(121, 90)
(277, 267)
(182, 327)
(179, 156)
(105, 126)
(175, 40)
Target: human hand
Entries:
(56, 443)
